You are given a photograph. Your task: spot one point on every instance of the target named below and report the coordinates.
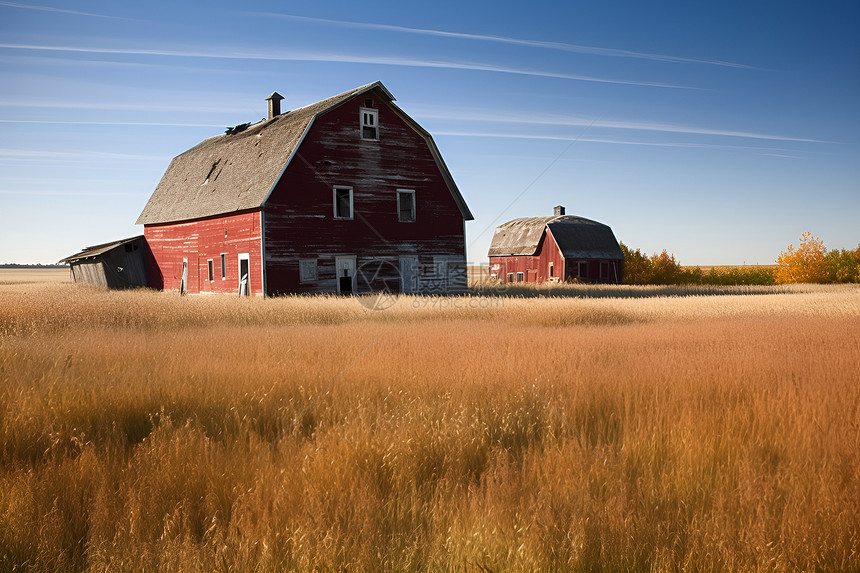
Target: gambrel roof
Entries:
(577, 237)
(237, 172)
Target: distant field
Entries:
(706, 268)
(14, 276)
(623, 428)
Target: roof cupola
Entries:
(274, 104)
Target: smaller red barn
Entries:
(553, 249)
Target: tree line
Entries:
(809, 262)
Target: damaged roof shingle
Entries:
(250, 164)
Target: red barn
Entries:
(552, 249)
(345, 195)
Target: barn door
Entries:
(183, 282)
(244, 274)
(409, 274)
(345, 267)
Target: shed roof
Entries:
(96, 250)
(577, 237)
(237, 172)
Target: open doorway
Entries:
(183, 282)
(345, 268)
(244, 274)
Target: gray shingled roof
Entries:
(577, 237)
(229, 173)
(96, 250)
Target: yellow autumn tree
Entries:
(804, 264)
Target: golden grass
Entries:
(143, 431)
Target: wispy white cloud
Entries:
(560, 46)
(607, 140)
(40, 192)
(30, 62)
(116, 106)
(563, 120)
(60, 10)
(109, 123)
(42, 155)
(218, 53)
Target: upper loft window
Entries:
(343, 202)
(405, 205)
(370, 124)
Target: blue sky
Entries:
(718, 131)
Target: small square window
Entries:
(405, 205)
(223, 266)
(520, 277)
(307, 270)
(343, 202)
(510, 277)
(369, 124)
(211, 268)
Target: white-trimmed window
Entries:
(369, 124)
(510, 277)
(223, 266)
(582, 270)
(307, 270)
(551, 271)
(342, 202)
(211, 268)
(520, 277)
(406, 205)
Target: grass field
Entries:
(33, 276)
(598, 430)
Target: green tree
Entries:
(842, 266)
(637, 267)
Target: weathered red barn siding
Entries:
(299, 218)
(547, 252)
(201, 240)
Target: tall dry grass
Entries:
(144, 431)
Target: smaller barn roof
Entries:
(577, 237)
(96, 250)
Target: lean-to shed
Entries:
(118, 265)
